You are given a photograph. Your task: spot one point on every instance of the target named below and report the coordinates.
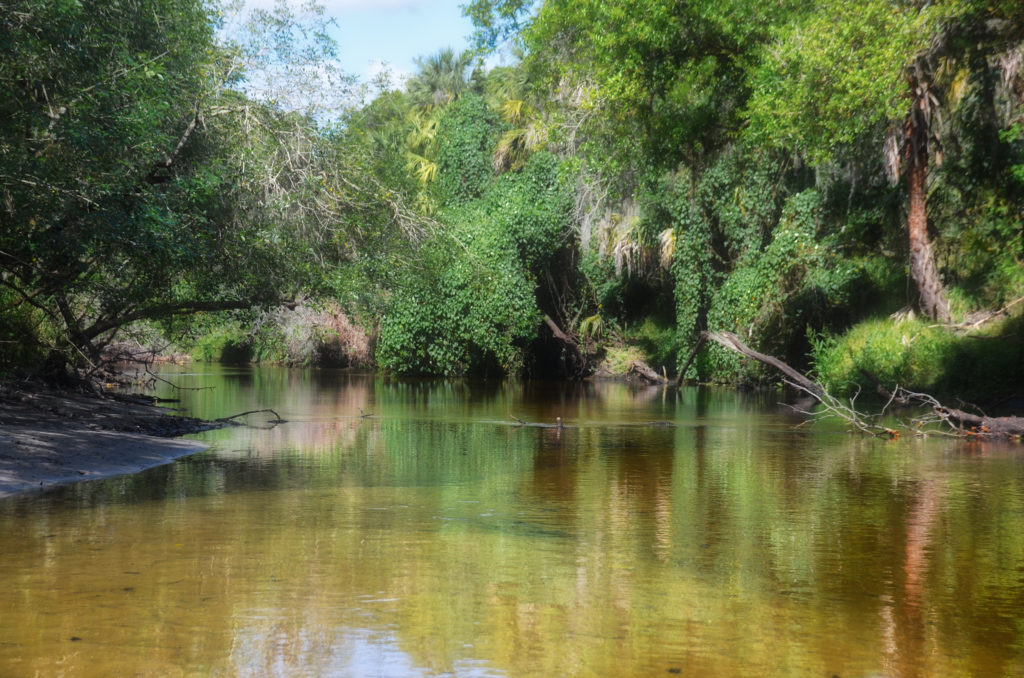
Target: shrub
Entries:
(320, 335)
(459, 314)
(228, 342)
(470, 306)
(906, 352)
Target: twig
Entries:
(848, 413)
(242, 414)
(180, 388)
(994, 314)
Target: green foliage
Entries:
(458, 315)
(835, 73)
(692, 271)
(1014, 136)
(532, 209)
(470, 306)
(138, 184)
(908, 353)
(720, 267)
(640, 171)
(442, 78)
(496, 21)
(23, 333)
(683, 108)
(619, 359)
(657, 340)
(228, 343)
(466, 136)
(592, 327)
(920, 356)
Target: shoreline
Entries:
(50, 438)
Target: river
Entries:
(397, 528)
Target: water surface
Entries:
(414, 529)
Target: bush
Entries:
(657, 341)
(306, 335)
(23, 331)
(754, 297)
(979, 365)
(471, 307)
(458, 315)
(907, 352)
(227, 343)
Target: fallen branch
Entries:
(950, 421)
(733, 343)
(227, 420)
(175, 386)
(644, 371)
(992, 315)
(561, 336)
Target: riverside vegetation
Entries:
(840, 185)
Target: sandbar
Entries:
(51, 437)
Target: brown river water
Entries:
(655, 533)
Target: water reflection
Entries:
(414, 529)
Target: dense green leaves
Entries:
(467, 135)
(834, 74)
(645, 171)
(470, 305)
(138, 183)
(747, 143)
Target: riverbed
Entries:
(400, 528)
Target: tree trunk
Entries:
(931, 300)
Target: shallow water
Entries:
(697, 534)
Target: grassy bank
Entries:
(983, 362)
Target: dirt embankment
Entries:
(51, 437)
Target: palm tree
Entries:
(945, 66)
(509, 93)
(442, 78)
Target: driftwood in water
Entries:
(644, 371)
(952, 421)
(1010, 427)
(230, 420)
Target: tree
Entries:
(811, 96)
(140, 183)
(101, 102)
(442, 78)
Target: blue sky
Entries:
(373, 32)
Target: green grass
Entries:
(619, 359)
(979, 365)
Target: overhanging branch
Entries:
(167, 310)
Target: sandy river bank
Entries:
(50, 437)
